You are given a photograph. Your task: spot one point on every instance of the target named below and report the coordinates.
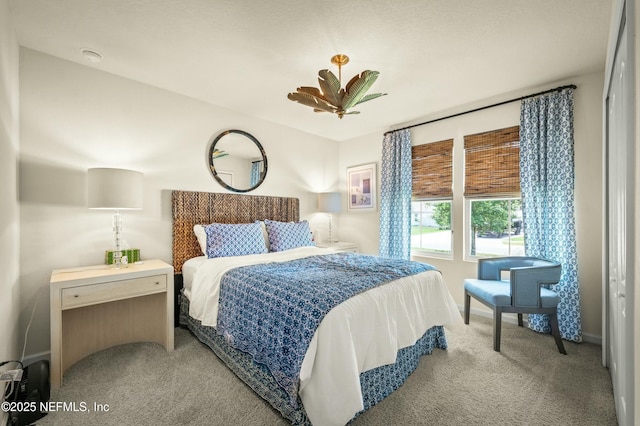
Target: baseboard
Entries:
(513, 319)
(592, 338)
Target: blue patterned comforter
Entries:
(272, 310)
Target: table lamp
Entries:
(329, 202)
(115, 189)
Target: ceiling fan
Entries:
(331, 97)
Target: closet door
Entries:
(620, 227)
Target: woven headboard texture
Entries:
(191, 208)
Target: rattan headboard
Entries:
(191, 208)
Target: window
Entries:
(495, 227)
(493, 214)
(432, 191)
(431, 227)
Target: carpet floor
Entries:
(528, 383)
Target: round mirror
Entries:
(237, 161)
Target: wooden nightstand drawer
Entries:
(106, 292)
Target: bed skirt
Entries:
(376, 384)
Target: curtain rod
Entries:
(557, 89)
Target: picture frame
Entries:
(362, 188)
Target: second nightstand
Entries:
(340, 246)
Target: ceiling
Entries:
(246, 55)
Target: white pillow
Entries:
(265, 234)
(201, 236)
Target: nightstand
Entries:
(97, 307)
(340, 246)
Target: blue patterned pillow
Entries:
(225, 239)
(288, 235)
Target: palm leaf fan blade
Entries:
(219, 154)
(370, 97)
(330, 87)
(313, 91)
(357, 88)
(311, 101)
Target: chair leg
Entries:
(467, 307)
(555, 331)
(520, 323)
(497, 327)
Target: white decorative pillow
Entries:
(264, 233)
(288, 235)
(225, 239)
(201, 236)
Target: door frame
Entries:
(624, 14)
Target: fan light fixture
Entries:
(217, 153)
(331, 97)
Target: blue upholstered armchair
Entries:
(522, 292)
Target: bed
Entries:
(353, 353)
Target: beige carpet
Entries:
(528, 383)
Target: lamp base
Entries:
(117, 242)
(331, 239)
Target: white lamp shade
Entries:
(329, 202)
(115, 189)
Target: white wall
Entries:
(363, 228)
(74, 117)
(9, 211)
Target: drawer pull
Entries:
(75, 295)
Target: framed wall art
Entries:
(361, 184)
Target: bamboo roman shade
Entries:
(492, 163)
(432, 172)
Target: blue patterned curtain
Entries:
(547, 188)
(395, 196)
(255, 173)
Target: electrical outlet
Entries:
(11, 376)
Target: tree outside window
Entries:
(495, 227)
